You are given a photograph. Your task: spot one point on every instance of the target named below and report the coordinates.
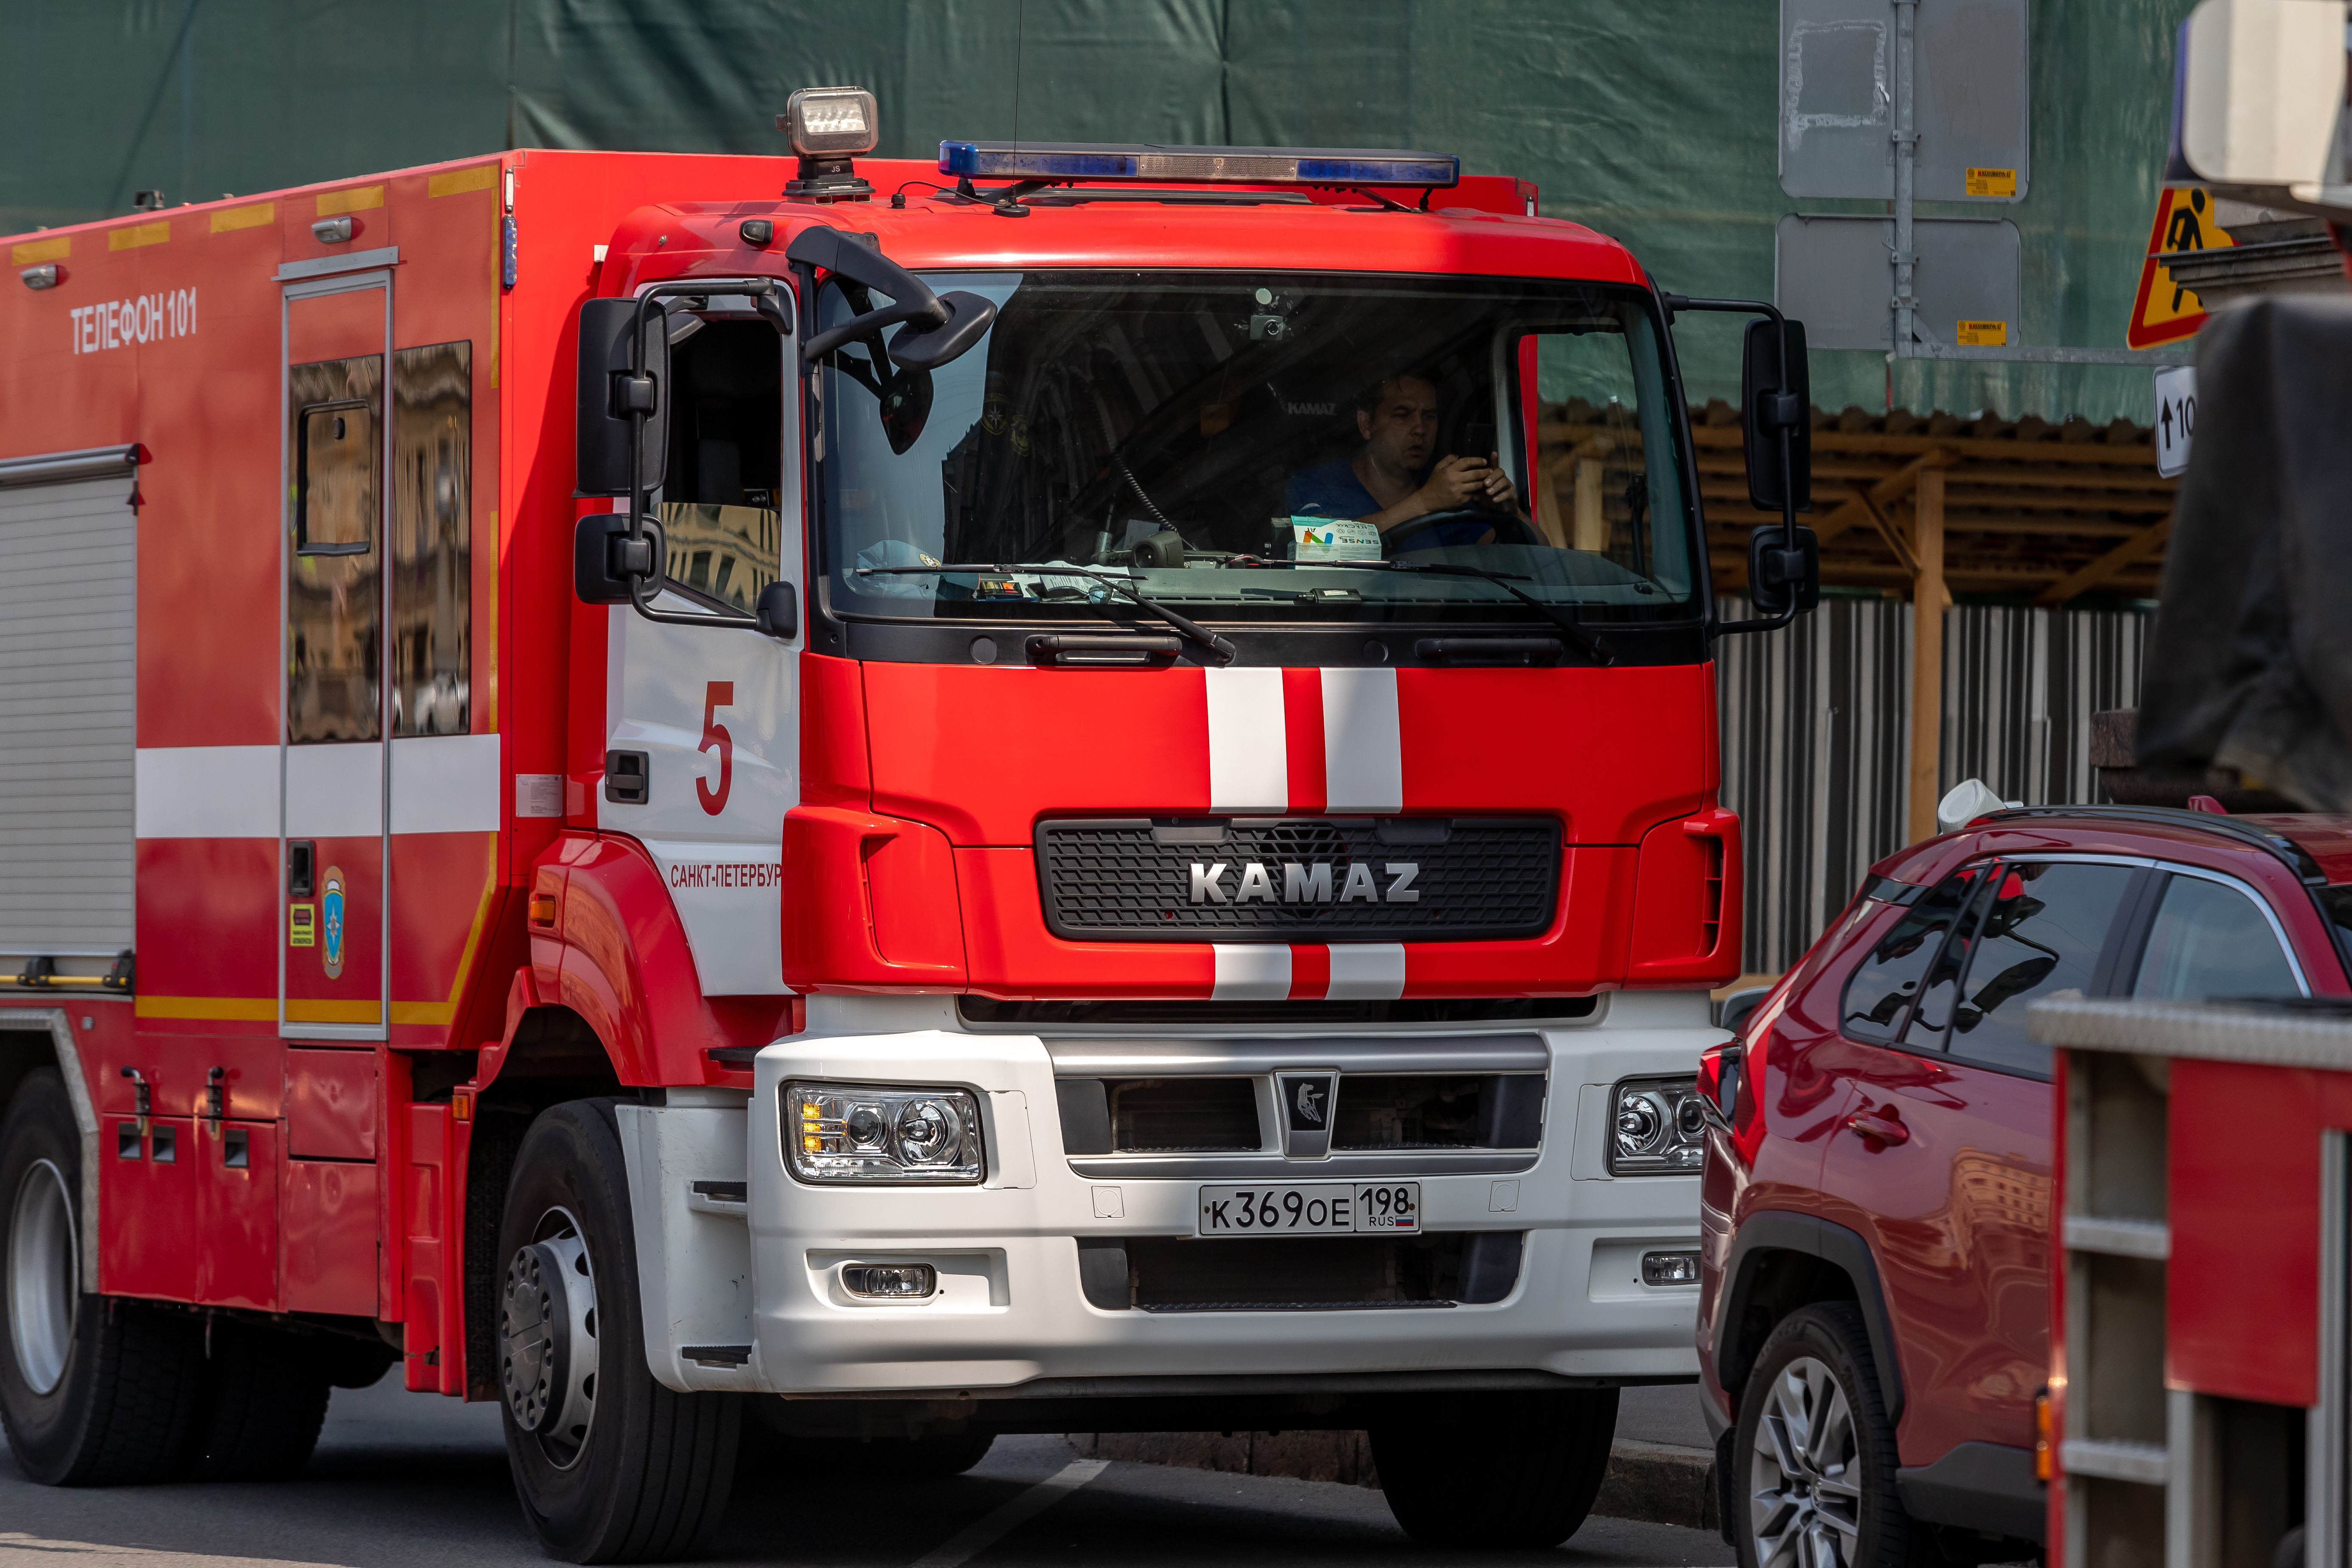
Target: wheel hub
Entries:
(547, 1341)
(1805, 1500)
(44, 1284)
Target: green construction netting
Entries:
(1650, 121)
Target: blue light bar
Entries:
(1197, 165)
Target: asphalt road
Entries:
(403, 1479)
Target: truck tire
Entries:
(1497, 1469)
(265, 1399)
(1813, 1453)
(610, 1465)
(93, 1391)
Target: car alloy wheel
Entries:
(1804, 1504)
(547, 1340)
(42, 1287)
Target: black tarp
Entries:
(2250, 661)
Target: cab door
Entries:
(331, 944)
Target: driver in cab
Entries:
(1390, 483)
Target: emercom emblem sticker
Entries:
(330, 923)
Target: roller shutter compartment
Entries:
(68, 663)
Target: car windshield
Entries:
(1234, 444)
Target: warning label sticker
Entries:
(1991, 181)
(1980, 335)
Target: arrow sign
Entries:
(2176, 417)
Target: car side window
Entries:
(2210, 940)
(2041, 930)
(1931, 1016)
(1878, 998)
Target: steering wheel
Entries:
(1508, 528)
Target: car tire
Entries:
(610, 1465)
(1813, 1453)
(265, 1399)
(93, 1391)
(1496, 1470)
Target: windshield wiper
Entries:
(1593, 648)
(1221, 647)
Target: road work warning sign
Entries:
(2163, 312)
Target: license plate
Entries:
(1321, 1208)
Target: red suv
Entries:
(1875, 1207)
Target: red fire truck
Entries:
(860, 804)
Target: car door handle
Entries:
(1881, 1127)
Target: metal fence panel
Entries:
(1817, 738)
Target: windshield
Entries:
(1234, 444)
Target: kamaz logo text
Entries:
(1305, 884)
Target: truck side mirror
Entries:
(938, 327)
(604, 558)
(1776, 398)
(1784, 570)
(610, 393)
(779, 611)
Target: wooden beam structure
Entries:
(2137, 548)
(1927, 656)
(1885, 493)
(2032, 511)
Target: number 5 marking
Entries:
(718, 694)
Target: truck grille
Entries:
(1269, 1273)
(1183, 1115)
(1298, 878)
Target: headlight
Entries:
(864, 1133)
(1658, 1127)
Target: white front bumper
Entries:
(1010, 1309)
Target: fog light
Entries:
(1670, 1268)
(911, 1281)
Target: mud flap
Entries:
(687, 1197)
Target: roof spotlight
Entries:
(828, 127)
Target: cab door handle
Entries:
(1881, 1127)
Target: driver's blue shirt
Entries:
(1332, 490)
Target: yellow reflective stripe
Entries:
(230, 218)
(480, 177)
(312, 1010)
(33, 252)
(357, 199)
(137, 234)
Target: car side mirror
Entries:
(610, 393)
(1784, 570)
(1775, 404)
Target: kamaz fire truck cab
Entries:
(1011, 909)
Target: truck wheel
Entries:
(93, 1391)
(265, 1399)
(610, 1465)
(1812, 1454)
(1497, 1469)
